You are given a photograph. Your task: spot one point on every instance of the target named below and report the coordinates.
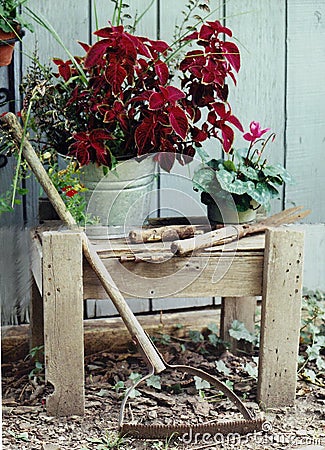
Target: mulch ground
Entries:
(172, 398)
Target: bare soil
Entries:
(26, 424)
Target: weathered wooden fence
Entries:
(281, 84)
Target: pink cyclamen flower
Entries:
(256, 132)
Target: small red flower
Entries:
(69, 191)
(255, 132)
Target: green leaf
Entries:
(213, 327)
(276, 171)
(134, 376)
(251, 370)
(119, 385)
(204, 178)
(249, 172)
(238, 331)
(230, 166)
(134, 393)
(320, 363)
(154, 381)
(213, 339)
(262, 193)
(195, 336)
(309, 374)
(313, 352)
(201, 384)
(229, 384)
(222, 368)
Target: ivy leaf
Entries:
(201, 384)
(213, 327)
(251, 370)
(195, 336)
(222, 368)
(154, 381)
(229, 384)
(310, 375)
(134, 376)
(313, 351)
(320, 363)
(238, 331)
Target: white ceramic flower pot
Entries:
(228, 214)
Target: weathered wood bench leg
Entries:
(237, 308)
(280, 317)
(63, 322)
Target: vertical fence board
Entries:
(306, 106)
(259, 95)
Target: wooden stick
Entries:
(221, 236)
(167, 233)
(233, 232)
(92, 257)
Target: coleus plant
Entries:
(118, 101)
(246, 174)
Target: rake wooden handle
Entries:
(130, 321)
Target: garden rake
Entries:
(153, 358)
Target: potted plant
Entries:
(11, 28)
(118, 101)
(235, 187)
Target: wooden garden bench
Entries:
(270, 267)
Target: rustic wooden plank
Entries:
(280, 317)
(305, 126)
(199, 276)
(111, 334)
(262, 72)
(237, 308)
(63, 322)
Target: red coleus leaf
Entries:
(156, 101)
(220, 109)
(165, 160)
(227, 137)
(205, 32)
(159, 46)
(96, 53)
(85, 46)
(115, 75)
(235, 121)
(172, 93)
(107, 31)
(162, 72)
(198, 135)
(144, 135)
(178, 121)
(64, 68)
(231, 53)
(216, 26)
(191, 36)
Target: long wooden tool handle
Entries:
(131, 322)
